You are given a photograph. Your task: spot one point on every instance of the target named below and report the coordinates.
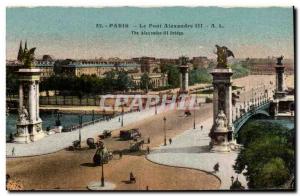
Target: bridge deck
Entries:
(260, 109)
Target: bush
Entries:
(200, 75)
(268, 155)
(239, 71)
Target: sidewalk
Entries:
(59, 141)
(190, 150)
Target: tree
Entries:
(267, 153)
(239, 70)
(255, 129)
(47, 57)
(200, 75)
(173, 75)
(12, 83)
(110, 81)
(123, 82)
(273, 174)
(145, 82)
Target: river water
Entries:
(49, 121)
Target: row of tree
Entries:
(88, 84)
(268, 155)
(117, 80)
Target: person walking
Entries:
(201, 127)
(216, 167)
(131, 178)
(170, 141)
(13, 151)
(148, 150)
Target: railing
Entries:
(252, 110)
(243, 118)
(106, 118)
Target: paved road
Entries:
(59, 141)
(190, 149)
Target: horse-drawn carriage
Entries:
(91, 143)
(105, 134)
(136, 145)
(130, 134)
(187, 112)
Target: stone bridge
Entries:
(253, 102)
(261, 109)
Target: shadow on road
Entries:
(190, 149)
(88, 165)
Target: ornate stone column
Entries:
(184, 74)
(222, 102)
(32, 102)
(280, 87)
(38, 101)
(222, 128)
(186, 86)
(29, 124)
(21, 96)
(180, 80)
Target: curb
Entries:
(146, 157)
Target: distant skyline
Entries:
(72, 33)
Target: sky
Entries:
(66, 32)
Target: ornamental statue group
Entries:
(29, 123)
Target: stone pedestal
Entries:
(29, 123)
(222, 103)
(96, 186)
(280, 86)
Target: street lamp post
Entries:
(194, 118)
(80, 126)
(102, 170)
(165, 134)
(122, 121)
(195, 114)
(93, 117)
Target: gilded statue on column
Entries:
(26, 56)
(223, 53)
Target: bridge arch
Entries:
(239, 123)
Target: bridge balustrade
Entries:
(245, 116)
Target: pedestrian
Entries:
(13, 151)
(148, 140)
(120, 155)
(131, 177)
(201, 127)
(170, 140)
(216, 167)
(148, 150)
(119, 119)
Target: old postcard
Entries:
(150, 99)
